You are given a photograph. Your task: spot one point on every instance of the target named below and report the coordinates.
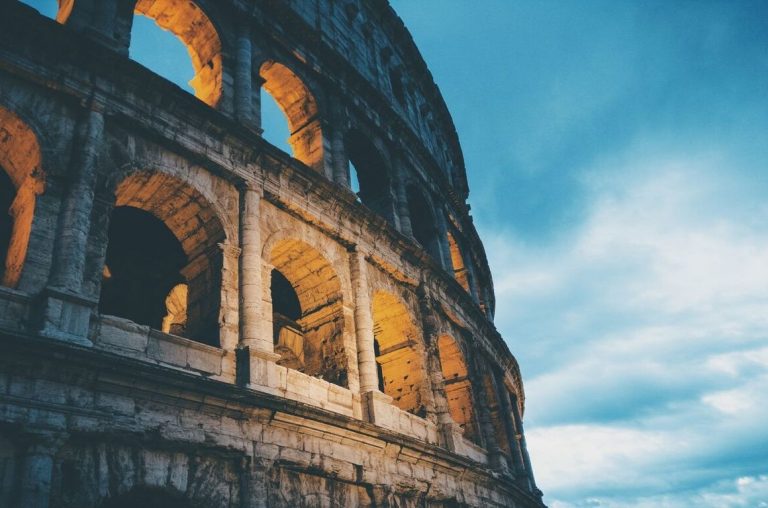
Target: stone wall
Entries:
(404, 395)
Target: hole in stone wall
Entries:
(163, 55)
(7, 193)
(288, 335)
(422, 222)
(21, 182)
(396, 81)
(148, 497)
(143, 265)
(398, 354)
(368, 168)
(307, 312)
(163, 263)
(458, 389)
(299, 106)
(274, 123)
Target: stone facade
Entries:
(191, 317)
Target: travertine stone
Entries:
(192, 316)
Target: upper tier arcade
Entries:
(189, 314)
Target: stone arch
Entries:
(159, 207)
(372, 171)
(458, 388)
(312, 339)
(300, 108)
(187, 21)
(423, 222)
(460, 271)
(399, 354)
(23, 180)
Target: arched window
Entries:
(163, 264)
(307, 312)
(457, 260)
(423, 221)
(20, 183)
(300, 109)
(367, 167)
(197, 34)
(399, 354)
(458, 389)
(49, 8)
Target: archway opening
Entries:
(190, 25)
(307, 312)
(458, 389)
(457, 261)
(368, 169)
(21, 182)
(299, 106)
(423, 221)
(398, 353)
(148, 497)
(163, 263)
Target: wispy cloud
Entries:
(647, 347)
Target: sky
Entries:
(618, 168)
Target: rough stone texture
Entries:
(389, 387)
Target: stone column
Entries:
(339, 156)
(251, 283)
(366, 357)
(520, 440)
(36, 470)
(442, 239)
(513, 436)
(495, 455)
(67, 312)
(244, 76)
(402, 202)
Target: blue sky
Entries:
(617, 161)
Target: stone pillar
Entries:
(244, 77)
(513, 436)
(450, 432)
(251, 284)
(402, 202)
(36, 470)
(474, 288)
(495, 455)
(366, 357)
(520, 440)
(442, 239)
(339, 157)
(67, 312)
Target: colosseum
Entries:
(192, 317)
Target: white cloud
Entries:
(646, 331)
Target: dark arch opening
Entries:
(423, 222)
(149, 497)
(367, 165)
(191, 239)
(143, 264)
(307, 312)
(7, 194)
